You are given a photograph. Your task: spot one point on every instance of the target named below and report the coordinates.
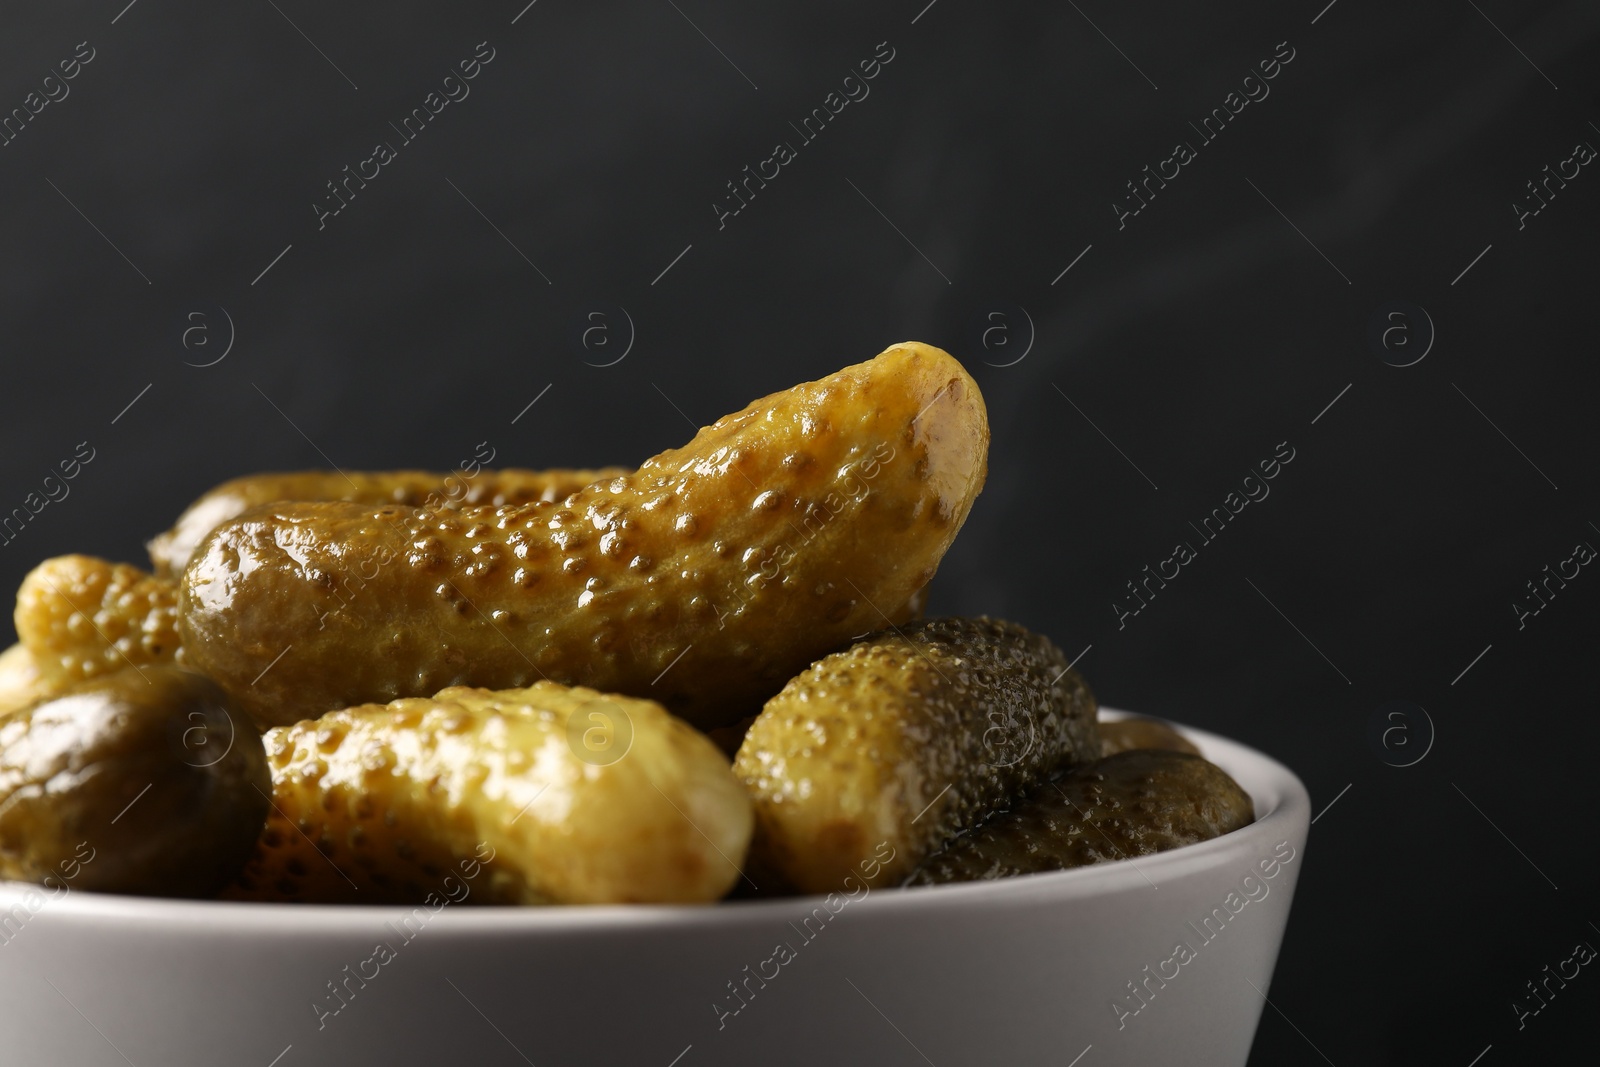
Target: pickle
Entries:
(82, 617)
(20, 683)
(170, 551)
(903, 741)
(1121, 807)
(703, 581)
(145, 781)
(1126, 734)
(539, 795)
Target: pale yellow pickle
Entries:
(81, 617)
(545, 795)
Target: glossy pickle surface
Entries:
(704, 580)
(565, 795)
(1135, 803)
(907, 738)
(81, 617)
(171, 550)
(1123, 735)
(146, 781)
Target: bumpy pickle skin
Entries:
(1125, 735)
(704, 581)
(380, 803)
(1132, 804)
(145, 781)
(170, 551)
(82, 617)
(906, 738)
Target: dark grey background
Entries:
(1196, 339)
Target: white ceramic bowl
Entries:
(1080, 967)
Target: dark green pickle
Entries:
(903, 740)
(1132, 804)
(146, 781)
(1124, 734)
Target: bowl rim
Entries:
(1281, 801)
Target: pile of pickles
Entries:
(701, 678)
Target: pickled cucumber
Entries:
(82, 617)
(1124, 806)
(170, 551)
(703, 581)
(1126, 734)
(560, 795)
(904, 740)
(145, 781)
